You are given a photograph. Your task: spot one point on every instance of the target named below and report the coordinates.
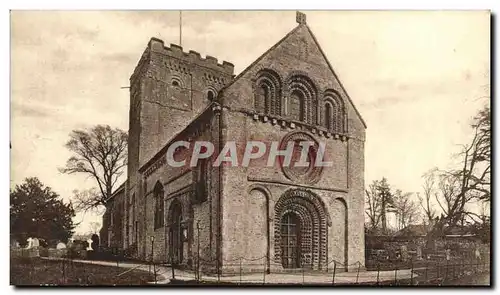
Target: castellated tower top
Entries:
(157, 45)
(174, 57)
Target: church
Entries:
(275, 217)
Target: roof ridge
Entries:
(335, 75)
(262, 56)
(157, 155)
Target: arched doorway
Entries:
(290, 240)
(301, 235)
(175, 232)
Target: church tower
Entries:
(168, 89)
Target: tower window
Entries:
(175, 83)
(210, 95)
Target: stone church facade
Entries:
(275, 217)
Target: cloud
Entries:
(20, 109)
(414, 76)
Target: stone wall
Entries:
(246, 191)
(340, 187)
(169, 89)
(199, 218)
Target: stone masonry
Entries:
(274, 217)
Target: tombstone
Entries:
(69, 244)
(30, 243)
(60, 245)
(36, 243)
(14, 244)
(33, 245)
(404, 253)
(419, 252)
(89, 248)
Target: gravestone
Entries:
(14, 244)
(404, 253)
(477, 254)
(419, 252)
(33, 246)
(61, 245)
(30, 243)
(36, 243)
(89, 248)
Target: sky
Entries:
(417, 78)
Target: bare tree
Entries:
(425, 201)
(457, 188)
(405, 208)
(478, 156)
(100, 153)
(386, 201)
(379, 202)
(373, 205)
(472, 181)
(485, 210)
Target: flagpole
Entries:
(180, 28)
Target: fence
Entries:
(55, 271)
(243, 271)
(251, 271)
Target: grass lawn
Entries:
(37, 272)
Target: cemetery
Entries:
(34, 264)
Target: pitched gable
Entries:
(336, 77)
(297, 52)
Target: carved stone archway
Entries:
(312, 219)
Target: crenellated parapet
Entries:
(191, 57)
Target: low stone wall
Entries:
(40, 252)
(21, 252)
(57, 253)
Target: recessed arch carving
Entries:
(177, 81)
(302, 99)
(313, 218)
(267, 88)
(211, 93)
(333, 112)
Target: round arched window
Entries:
(210, 95)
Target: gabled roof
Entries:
(262, 56)
(335, 75)
(322, 53)
(203, 114)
